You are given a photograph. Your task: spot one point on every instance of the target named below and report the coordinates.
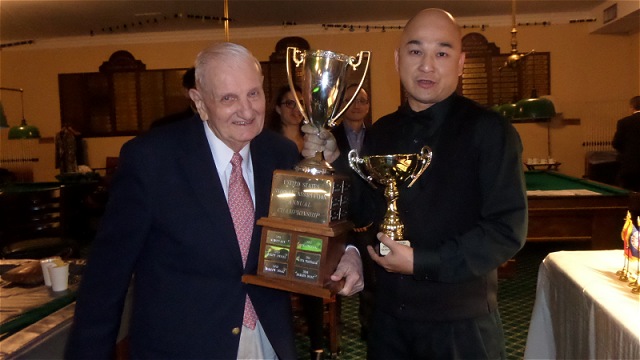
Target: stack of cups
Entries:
(55, 273)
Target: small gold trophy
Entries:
(389, 171)
(304, 236)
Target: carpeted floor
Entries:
(516, 296)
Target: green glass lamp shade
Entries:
(3, 118)
(24, 131)
(507, 110)
(534, 109)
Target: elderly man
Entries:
(180, 224)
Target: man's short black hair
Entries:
(635, 103)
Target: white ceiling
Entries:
(25, 20)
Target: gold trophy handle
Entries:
(425, 155)
(297, 58)
(354, 163)
(354, 62)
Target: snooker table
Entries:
(596, 218)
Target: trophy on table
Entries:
(389, 171)
(304, 236)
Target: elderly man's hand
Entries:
(349, 269)
(322, 141)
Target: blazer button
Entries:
(235, 331)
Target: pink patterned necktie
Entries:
(242, 213)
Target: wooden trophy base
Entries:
(299, 256)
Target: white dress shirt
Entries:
(253, 343)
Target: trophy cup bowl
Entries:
(390, 171)
(324, 75)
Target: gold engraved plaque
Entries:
(320, 199)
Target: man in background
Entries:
(626, 142)
(350, 133)
(188, 83)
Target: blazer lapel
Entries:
(199, 168)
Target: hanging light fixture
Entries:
(507, 110)
(514, 59)
(533, 108)
(22, 131)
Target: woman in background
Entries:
(285, 118)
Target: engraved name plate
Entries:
(297, 196)
(275, 268)
(279, 238)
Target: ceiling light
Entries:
(534, 108)
(514, 59)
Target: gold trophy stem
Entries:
(315, 165)
(392, 226)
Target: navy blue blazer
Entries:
(167, 223)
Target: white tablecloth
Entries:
(582, 310)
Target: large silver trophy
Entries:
(324, 76)
(304, 236)
(389, 171)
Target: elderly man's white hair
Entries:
(224, 52)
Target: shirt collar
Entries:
(222, 153)
(349, 130)
(436, 112)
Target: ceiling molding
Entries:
(217, 34)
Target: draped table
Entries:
(582, 310)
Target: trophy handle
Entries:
(425, 156)
(354, 62)
(354, 162)
(297, 58)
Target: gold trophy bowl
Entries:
(389, 171)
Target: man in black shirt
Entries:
(464, 217)
(626, 141)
